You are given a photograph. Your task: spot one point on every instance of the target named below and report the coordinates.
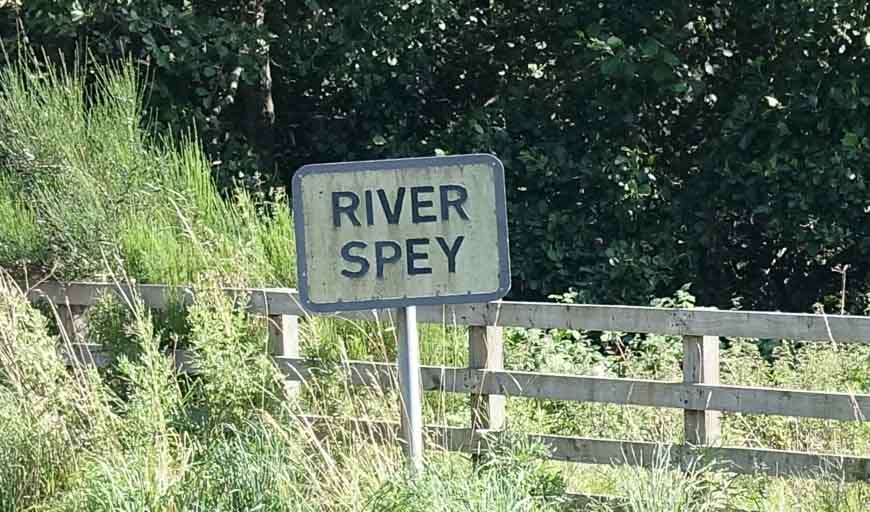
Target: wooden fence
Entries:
(700, 394)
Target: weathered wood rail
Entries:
(699, 395)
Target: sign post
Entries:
(409, 386)
(399, 234)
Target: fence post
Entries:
(284, 342)
(701, 366)
(486, 351)
(69, 322)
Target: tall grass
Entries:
(696, 487)
(83, 184)
(223, 440)
(47, 414)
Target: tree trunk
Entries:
(259, 109)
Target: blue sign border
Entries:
(504, 272)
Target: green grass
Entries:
(84, 189)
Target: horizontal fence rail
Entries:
(632, 319)
(550, 386)
(651, 393)
(606, 451)
(701, 396)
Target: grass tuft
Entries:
(82, 184)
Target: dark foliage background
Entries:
(647, 143)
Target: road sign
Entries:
(393, 233)
(402, 233)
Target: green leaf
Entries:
(650, 47)
(851, 139)
(670, 59)
(610, 67)
(379, 140)
(615, 42)
(661, 73)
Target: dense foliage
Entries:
(647, 143)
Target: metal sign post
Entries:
(400, 234)
(409, 386)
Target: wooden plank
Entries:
(736, 460)
(82, 354)
(692, 322)
(458, 439)
(781, 402)
(580, 502)
(91, 355)
(327, 427)
(644, 454)
(266, 301)
(748, 400)
(701, 366)
(70, 323)
(283, 332)
(87, 294)
(791, 463)
(680, 322)
(584, 502)
(486, 352)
